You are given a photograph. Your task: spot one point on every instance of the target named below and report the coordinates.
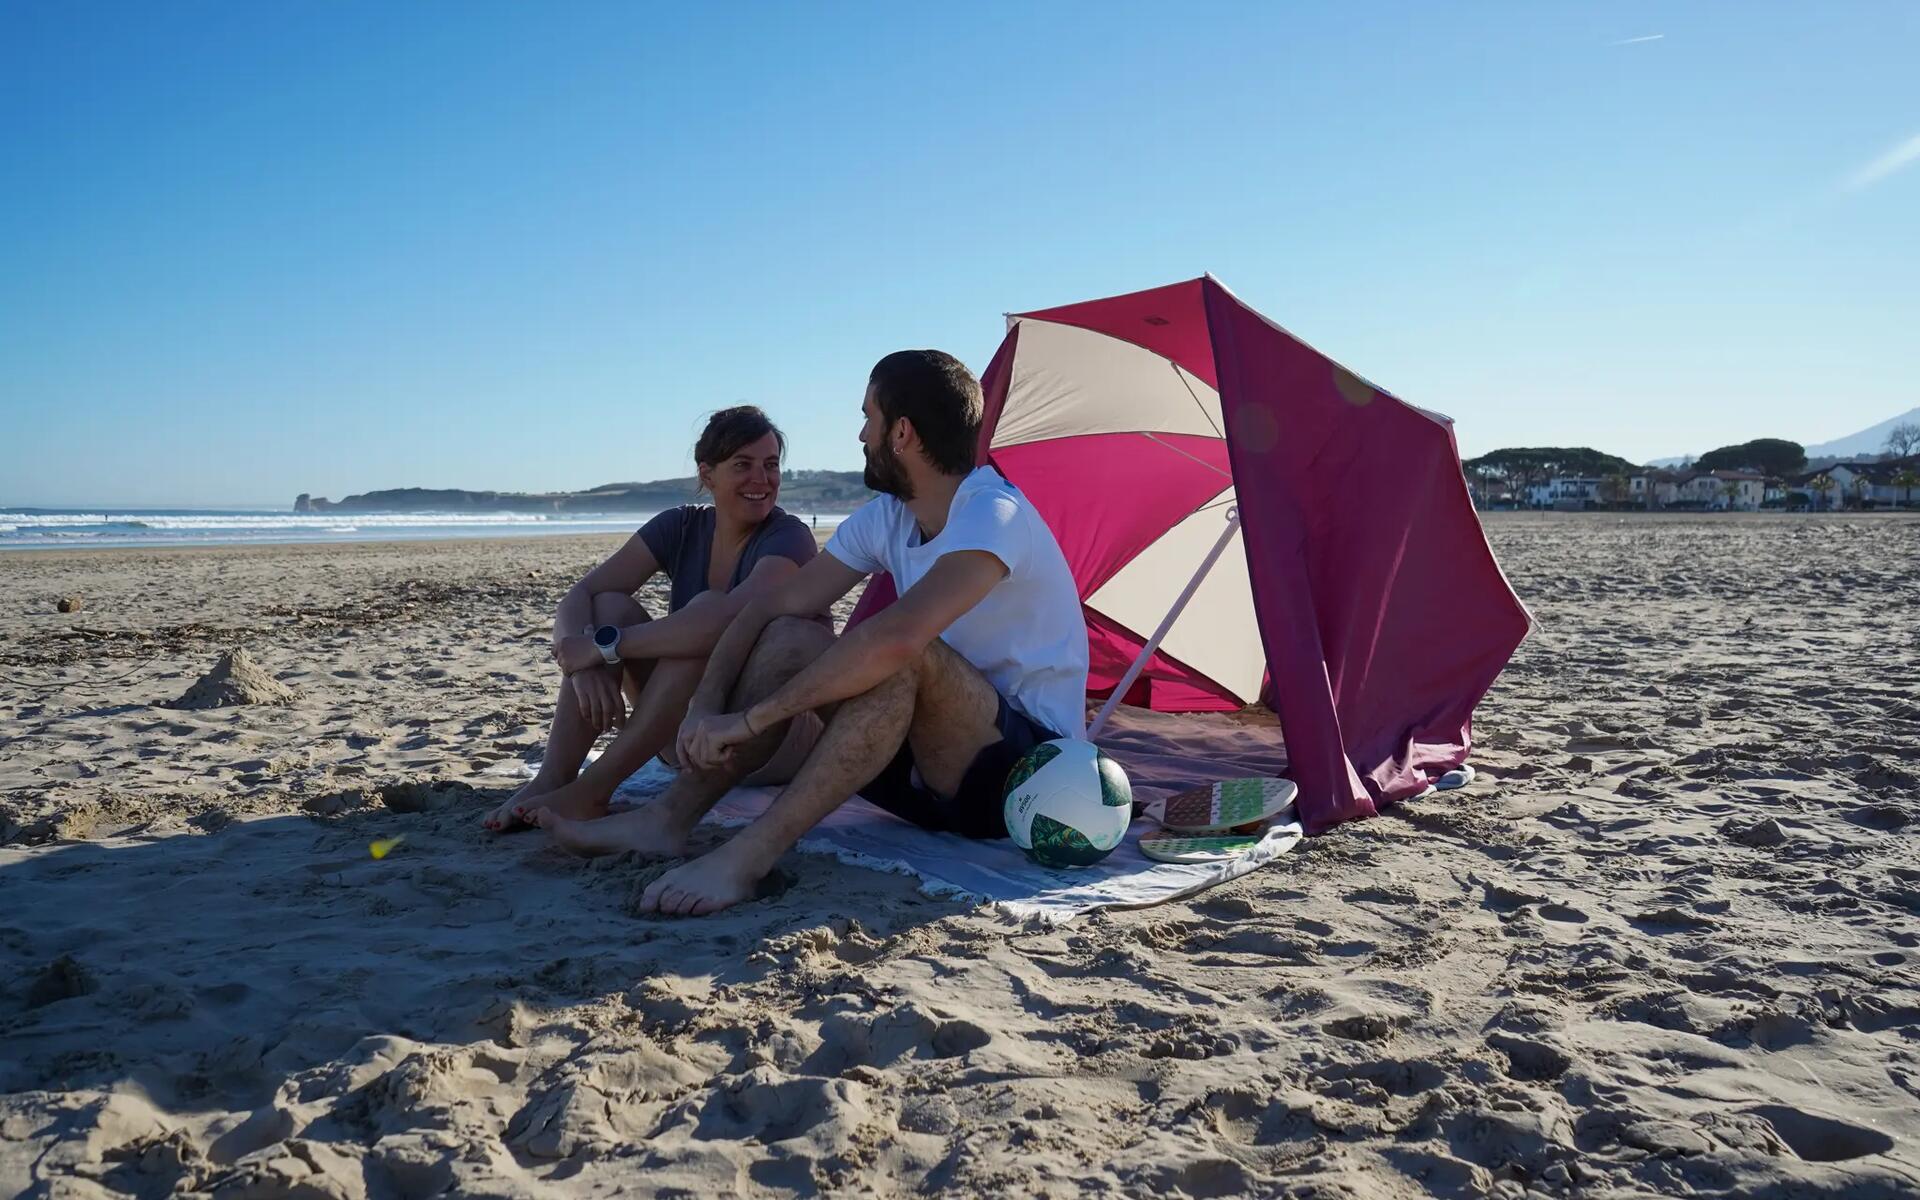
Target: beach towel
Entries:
(1162, 753)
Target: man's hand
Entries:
(597, 691)
(577, 654)
(706, 742)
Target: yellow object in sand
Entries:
(385, 846)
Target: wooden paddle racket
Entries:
(1227, 805)
(1179, 848)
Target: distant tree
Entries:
(1615, 487)
(1908, 479)
(1515, 469)
(1769, 456)
(1729, 491)
(1819, 486)
(1903, 439)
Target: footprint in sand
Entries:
(1816, 1138)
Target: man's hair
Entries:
(940, 396)
(732, 428)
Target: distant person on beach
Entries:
(926, 705)
(612, 653)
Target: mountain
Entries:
(1868, 441)
(800, 491)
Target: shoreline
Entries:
(429, 544)
(493, 538)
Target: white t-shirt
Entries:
(1028, 636)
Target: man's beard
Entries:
(885, 474)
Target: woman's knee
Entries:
(618, 608)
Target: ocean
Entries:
(100, 528)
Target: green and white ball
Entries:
(1068, 805)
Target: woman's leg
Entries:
(570, 737)
(658, 708)
(656, 717)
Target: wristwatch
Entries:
(607, 638)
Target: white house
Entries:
(1702, 490)
(1565, 491)
(1862, 483)
(1880, 484)
(1653, 488)
(1740, 491)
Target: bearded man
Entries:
(926, 705)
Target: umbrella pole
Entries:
(1173, 614)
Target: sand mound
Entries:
(235, 679)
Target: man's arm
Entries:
(810, 590)
(881, 646)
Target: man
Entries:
(926, 705)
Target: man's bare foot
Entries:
(506, 818)
(647, 831)
(718, 879)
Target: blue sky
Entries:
(249, 250)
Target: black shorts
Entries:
(979, 811)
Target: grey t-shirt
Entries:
(682, 543)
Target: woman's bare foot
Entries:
(648, 831)
(718, 879)
(575, 801)
(506, 818)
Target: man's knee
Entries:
(793, 634)
(785, 647)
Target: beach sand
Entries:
(1665, 944)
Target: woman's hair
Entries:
(731, 428)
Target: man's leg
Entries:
(659, 706)
(661, 828)
(570, 737)
(940, 704)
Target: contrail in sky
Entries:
(1895, 160)
(1652, 37)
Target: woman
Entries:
(612, 653)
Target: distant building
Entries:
(1876, 483)
(1653, 488)
(1739, 491)
(1565, 491)
(1860, 483)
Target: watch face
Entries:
(606, 635)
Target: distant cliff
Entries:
(800, 491)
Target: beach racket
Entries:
(1229, 804)
(1178, 848)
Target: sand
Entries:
(1664, 945)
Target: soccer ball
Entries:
(1068, 805)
